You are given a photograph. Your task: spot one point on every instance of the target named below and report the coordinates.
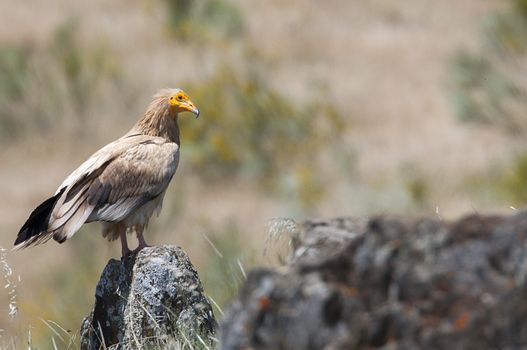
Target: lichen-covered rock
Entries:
(390, 283)
(146, 299)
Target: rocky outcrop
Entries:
(152, 298)
(390, 283)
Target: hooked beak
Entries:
(189, 106)
(196, 112)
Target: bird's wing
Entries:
(134, 179)
(114, 182)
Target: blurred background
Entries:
(309, 109)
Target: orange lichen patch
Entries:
(264, 303)
(462, 321)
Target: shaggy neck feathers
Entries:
(159, 121)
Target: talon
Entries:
(126, 253)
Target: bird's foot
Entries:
(125, 253)
(139, 248)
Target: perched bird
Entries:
(121, 185)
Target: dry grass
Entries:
(383, 64)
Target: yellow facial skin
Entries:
(182, 103)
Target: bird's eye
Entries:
(180, 97)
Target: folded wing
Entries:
(109, 186)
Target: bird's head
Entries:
(178, 101)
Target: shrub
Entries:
(253, 131)
(514, 182)
(194, 19)
(14, 62)
(41, 86)
(489, 87)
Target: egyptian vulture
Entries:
(121, 185)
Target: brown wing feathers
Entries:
(60, 216)
(108, 193)
(72, 215)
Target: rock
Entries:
(390, 283)
(153, 297)
(318, 239)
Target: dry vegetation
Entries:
(307, 111)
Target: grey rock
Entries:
(152, 297)
(319, 239)
(389, 283)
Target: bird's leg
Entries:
(140, 238)
(124, 243)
